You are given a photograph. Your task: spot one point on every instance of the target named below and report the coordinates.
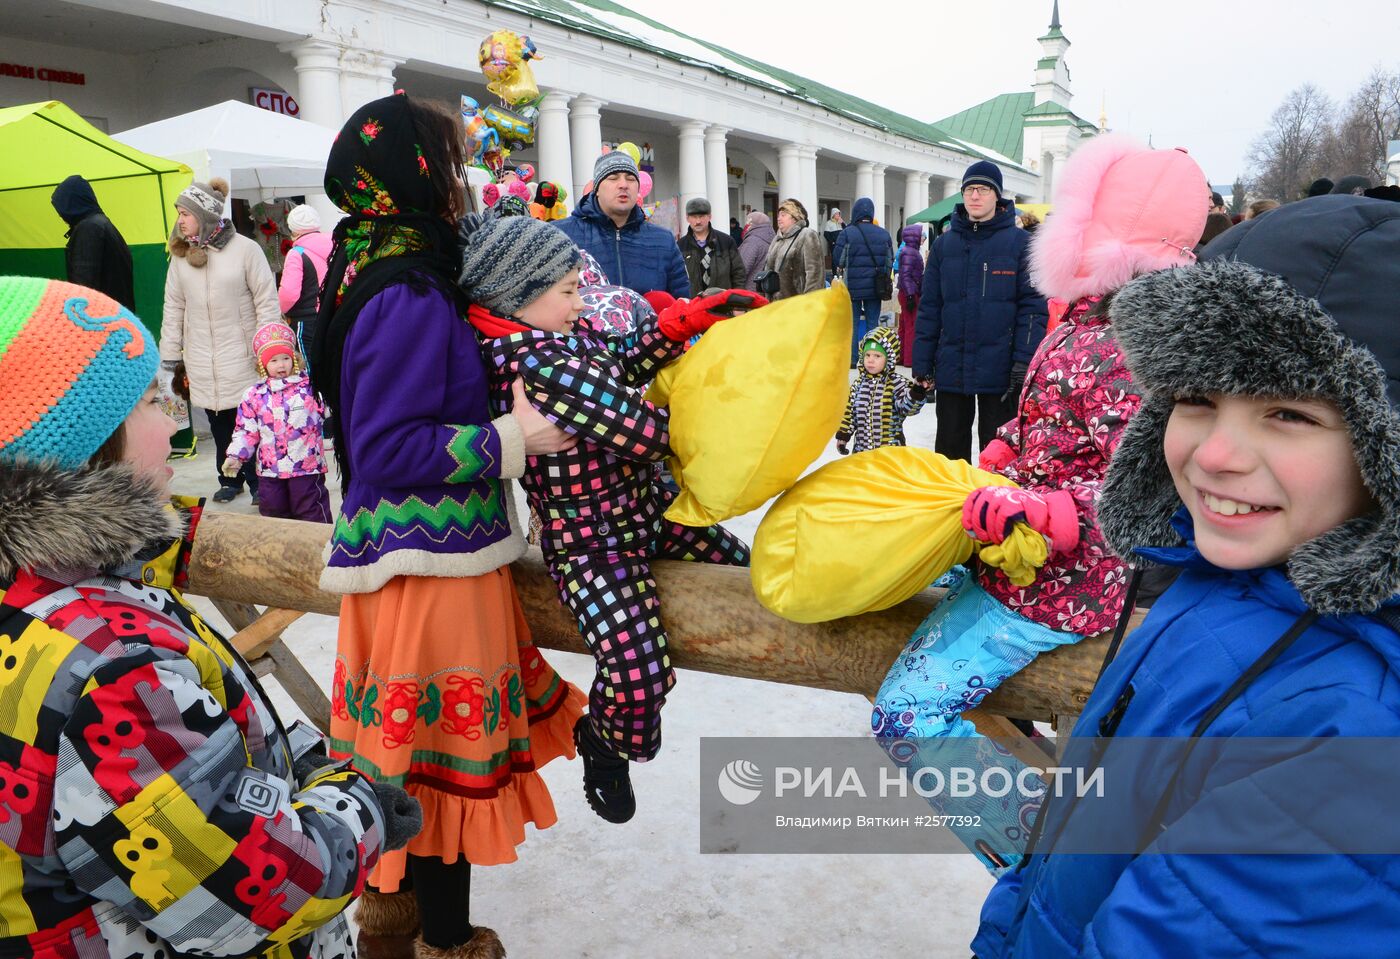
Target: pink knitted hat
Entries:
(273, 339)
(1120, 210)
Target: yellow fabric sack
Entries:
(869, 531)
(754, 402)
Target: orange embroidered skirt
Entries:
(439, 689)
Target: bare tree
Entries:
(1372, 119)
(1291, 152)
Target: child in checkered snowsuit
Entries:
(599, 502)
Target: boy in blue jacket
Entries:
(1265, 464)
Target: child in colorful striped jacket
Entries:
(881, 400)
(600, 502)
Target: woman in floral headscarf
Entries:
(437, 687)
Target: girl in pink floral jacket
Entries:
(281, 420)
(1120, 210)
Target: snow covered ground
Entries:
(585, 888)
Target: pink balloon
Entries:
(644, 181)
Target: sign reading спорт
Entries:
(1214, 795)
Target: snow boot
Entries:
(484, 944)
(607, 784)
(388, 924)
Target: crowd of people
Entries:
(1210, 428)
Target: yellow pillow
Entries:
(869, 531)
(754, 402)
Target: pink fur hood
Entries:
(1120, 210)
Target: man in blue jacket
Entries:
(863, 251)
(980, 319)
(610, 225)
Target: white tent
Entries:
(262, 154)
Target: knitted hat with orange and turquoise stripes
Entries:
(73, 364)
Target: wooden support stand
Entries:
(713, 621)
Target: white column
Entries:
(952, 186)
(877, 193)
(365, 75)
(808, 155)
(915, 193)
(865, 182)
(552, 139)
(318, 96)
(789, 172)
(585, 142)
(318, 80)
(717, 176)
(692, 160)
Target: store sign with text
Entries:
(274, 100)
(46, 74)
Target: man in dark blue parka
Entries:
(862, 251)
(980, 319)
(610, 225)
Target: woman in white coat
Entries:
(218, 291)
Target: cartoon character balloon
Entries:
(482, 138)
(503, 57)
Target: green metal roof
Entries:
(999, 123)
(995, 124)
(600, 18)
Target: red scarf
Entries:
(492, 326)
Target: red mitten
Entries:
(995, 455)
(989, 512)
(686, 318)
(659, 299)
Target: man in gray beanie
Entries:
(610, 225)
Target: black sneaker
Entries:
(607, 784)
(226, 494)
(255, 498)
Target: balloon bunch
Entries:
(493, 131)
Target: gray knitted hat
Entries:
(614, 161)
(511, 261)
(205, 201)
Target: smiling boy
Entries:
(1265, 464)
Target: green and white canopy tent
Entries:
(939, 211)
(41, 145)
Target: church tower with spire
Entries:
(1035, 128)
(1051, 72)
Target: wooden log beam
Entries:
(714, 622)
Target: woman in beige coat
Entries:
(218, 291)
(797, 253)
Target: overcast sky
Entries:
(1203, 74)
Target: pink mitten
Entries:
(995, 455)
(989, 512)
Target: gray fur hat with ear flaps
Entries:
(1301, 303)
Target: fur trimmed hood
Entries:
(1229, 325)
(1121, 210)
(93, 518)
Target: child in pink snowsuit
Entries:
(281, 420)
(1120, 210)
